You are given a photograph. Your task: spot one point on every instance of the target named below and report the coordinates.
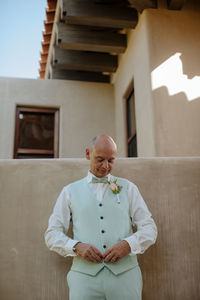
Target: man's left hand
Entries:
(117, 252)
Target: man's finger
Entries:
(108, 257)
(107, 252)
(113, 259)
(90, 259)
(94, 256)
(97, 252)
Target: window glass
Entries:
(131, 125)
(36, 132)
(131, 114)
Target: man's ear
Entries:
(87, 153)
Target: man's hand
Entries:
(117, 252)
(88, 252)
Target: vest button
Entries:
(101, 217)
(104, 246)
(102, 231)
(100, 204)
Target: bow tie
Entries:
(100, 180)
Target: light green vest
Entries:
(100, 224)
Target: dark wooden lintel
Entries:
(92, 13)
(140, 5)
(175, 4)
(85, 61)
(78, 75)
(74, 37)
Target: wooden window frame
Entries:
(21, 109)
(127, 96)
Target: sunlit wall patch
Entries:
(170, 74)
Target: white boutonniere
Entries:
(115, 188)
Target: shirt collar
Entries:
(90, 176)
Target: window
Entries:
(131, 124)
(36, 132)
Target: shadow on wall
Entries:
(190, 68)
(174, 32)
(175, 77)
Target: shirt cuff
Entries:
(69, 246)
(134, 245)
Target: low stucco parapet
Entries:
(29, 188)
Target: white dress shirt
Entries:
(56, 234)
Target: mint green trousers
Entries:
(105, 285)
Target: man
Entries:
(104, 209)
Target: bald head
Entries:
(103, 141)
(101, 153)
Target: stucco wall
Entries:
(29, 190)
(134, 66)
(174, 45)
(162, 58)
(86, 109)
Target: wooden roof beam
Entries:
(42, 73)
(175, 4)
(48, 27)
(89, 12)
(78, 75)
(45, 42)
(84, 61)
(140, 5)
(46, 37)
(52, 4)
(45, 48)
(43, 58)
(42, 66)
(50, 15)
(73, 37)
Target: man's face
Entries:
(101, 160)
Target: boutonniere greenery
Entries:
(115, 188)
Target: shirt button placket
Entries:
(102, 230)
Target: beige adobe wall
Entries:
(134, 66)
(29, 190)
(174, 43)
(163, 60)
(86, 109)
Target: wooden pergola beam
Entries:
(78, 75)
(140, 5)
(175, 4)
(45, 43)
(93, 13)
(43, 58)
(52, 4)
(73, 37)
(46, 37)
(48, 27)
(42, 66)
(45, 48)
(42, 73)
(84, 61)
(50, 14)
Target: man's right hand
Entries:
(88, 252)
